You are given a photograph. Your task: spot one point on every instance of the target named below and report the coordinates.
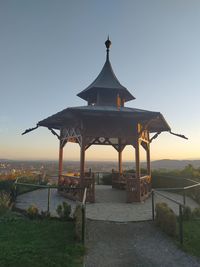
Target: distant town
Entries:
(50, 168)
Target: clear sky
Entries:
(51, 50)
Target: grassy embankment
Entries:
(38, 243)
(178, 178)
(35, 243)
(191, 242)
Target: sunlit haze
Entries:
(52, 50)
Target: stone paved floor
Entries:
(110, 204)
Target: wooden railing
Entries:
(69, 181)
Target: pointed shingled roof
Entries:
(106, 80)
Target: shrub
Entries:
(64, 210)
(187, 213)
(78, 222)
(4, 202)
(45, 214)
(196, 213)
(166, 219)
(6, 185)
(32, 212)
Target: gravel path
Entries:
(132, 244)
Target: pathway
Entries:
(112, 239)
(132, 244)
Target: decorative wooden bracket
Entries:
(54, 133)
(70, 135)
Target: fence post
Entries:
(152, 199)
(14, 191)
(48, 201)
(83, 224)
(184, 198)
(181, 224)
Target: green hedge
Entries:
(162, 181)
(166, 219)
(78, 222)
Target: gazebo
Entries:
(106, 121)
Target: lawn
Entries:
(191, 241)
(38, 243)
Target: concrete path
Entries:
(110, 204)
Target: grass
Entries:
(38, 243)
(191, 241)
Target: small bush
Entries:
(78, 222)
(6, 185)
(166, 219)
(196, 213)
(32, 212)
(4, 202)
(64, 210)
(45, 214)
(187, 213)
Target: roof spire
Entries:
(108, 44)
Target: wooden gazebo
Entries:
(106, 121)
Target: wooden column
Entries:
(137, 159)
(82, 162)
(120, 161)
(137, 170)
(120, 157)
(148, 159)
(60, 164)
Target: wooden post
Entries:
(120, 149)
(137, 159)
(60, 167)
(120, 161)
(148, 160)
(137, 168)
(82, 162)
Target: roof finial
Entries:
(108, 44)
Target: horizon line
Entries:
(96, 160)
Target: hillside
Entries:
(173, 164)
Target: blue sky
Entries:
(51, 50)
